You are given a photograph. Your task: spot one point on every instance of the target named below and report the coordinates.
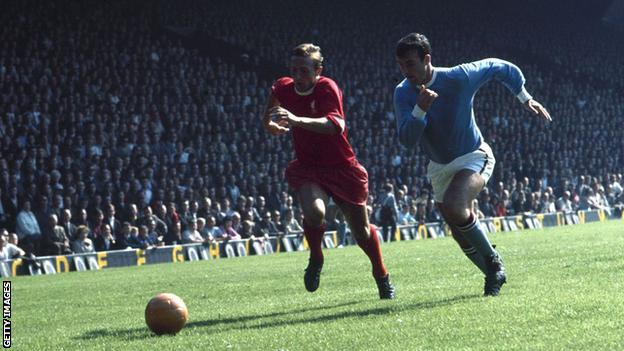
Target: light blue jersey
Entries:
(449, 130)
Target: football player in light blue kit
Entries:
(433, 106)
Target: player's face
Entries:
(303, 73)
(413, 68)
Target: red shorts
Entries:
(348, 182)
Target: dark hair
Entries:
(413, 41)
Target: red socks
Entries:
(373, 251)
(314, 236)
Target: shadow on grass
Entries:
(123, 334)
(249, 322)
(360, 313)
(243, 319)
(143, 333)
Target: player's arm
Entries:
(273, 127)
(411, 120)
(330, 107)
(510, 75)
(322, 125)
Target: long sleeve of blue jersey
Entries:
(480, 72)
(410, 123)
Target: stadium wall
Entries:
(286, 243)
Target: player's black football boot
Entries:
(495, 277)
(312, 276)
(386, 289)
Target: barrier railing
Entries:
(279, 244)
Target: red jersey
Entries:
(325, 100)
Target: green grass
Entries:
(565, 291)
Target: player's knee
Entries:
(361, 232)
(314, 218)
(457, 213)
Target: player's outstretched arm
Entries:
(273, 127)
(323, 125)
(510, 75)
(537, 109)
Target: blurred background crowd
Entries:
(137, 124)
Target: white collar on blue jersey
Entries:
(433, 78)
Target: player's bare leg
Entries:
(313, 200)
(367, 238)
(464, 188)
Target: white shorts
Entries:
(481, 161)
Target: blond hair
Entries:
(309, 50)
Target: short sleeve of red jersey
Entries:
(332, 104)
(278, 87)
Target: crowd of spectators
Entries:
(115, 134)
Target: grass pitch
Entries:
(565, 291)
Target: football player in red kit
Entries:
(310, 107)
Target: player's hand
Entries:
(277, 128)
(277, 125)
(425, 98)
(280, 114)
(537, 109)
